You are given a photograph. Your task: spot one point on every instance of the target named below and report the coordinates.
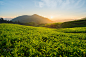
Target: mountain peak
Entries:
(32, 18)
(35, 15)
(25, 15)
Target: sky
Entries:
(53, 9)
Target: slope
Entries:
(76, 23)
(34, 18)
(20, 40)
(69, 24)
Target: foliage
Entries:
(31, 24)
(69, 24)
(27, 41)
(18, 22)
(4, 21)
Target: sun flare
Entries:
(51, 17)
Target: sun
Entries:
(51, 17)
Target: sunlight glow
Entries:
(51, 17)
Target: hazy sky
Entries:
(54, 9)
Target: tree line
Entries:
(17, 22)
(5, 21)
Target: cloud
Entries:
(1, 3)
(48, 3)
(41, 4)
(60, 3)
(65, 3)
(80, 3)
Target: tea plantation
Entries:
(27, 41)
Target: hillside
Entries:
(76, 23)
(69, 24)
(34, 18)
(20, 41)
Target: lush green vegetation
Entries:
(73, 30)
(69, 24)
(76, 23)
(27, 41)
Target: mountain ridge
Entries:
(31, 18)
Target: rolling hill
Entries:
(69, 24)
(34, 18)
(27, 41)
(76, 23)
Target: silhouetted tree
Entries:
(1, 19)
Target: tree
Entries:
(1, 19)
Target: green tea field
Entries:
(28, 41)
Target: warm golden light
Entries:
(51, 17)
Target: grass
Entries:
(27, 41)
(73, 30)
(69, 24)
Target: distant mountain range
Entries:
(8, 19)
(33, 18)
(75, 23)
(65, 20)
